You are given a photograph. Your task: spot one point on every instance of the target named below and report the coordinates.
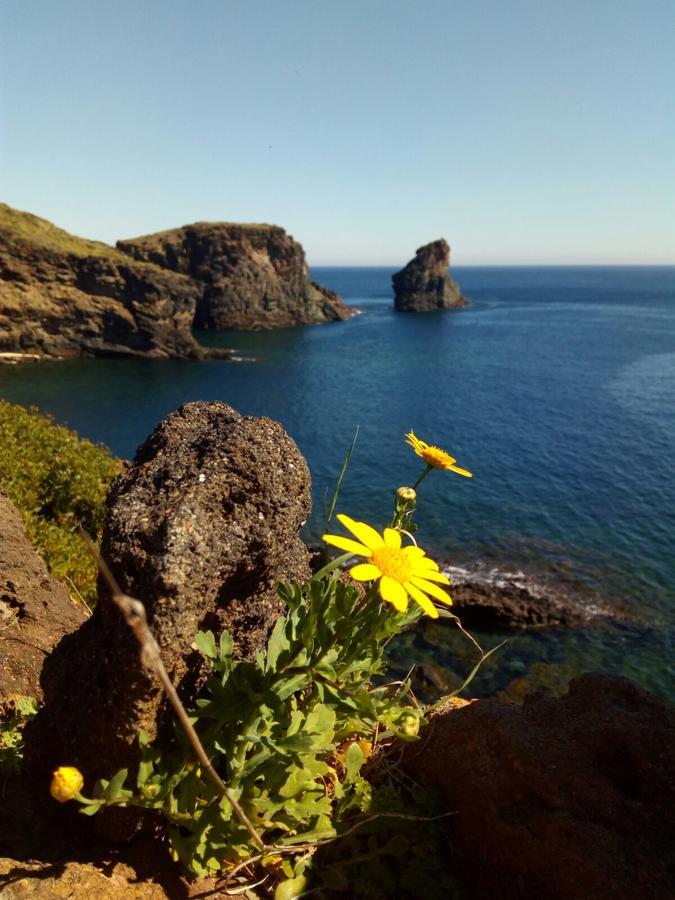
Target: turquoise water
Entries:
(556, 388)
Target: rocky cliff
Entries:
(424, 284)
(251, 276)
(64, 296)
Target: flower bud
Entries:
(66, 782)
(406, 494)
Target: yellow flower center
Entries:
(436, 457)
(393, 562)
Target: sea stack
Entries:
(424, 284)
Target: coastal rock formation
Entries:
(563, 798)
(35, 609)
(511, 604)
(64, 296)
(251, 276)
(424, 284)
(200, 528)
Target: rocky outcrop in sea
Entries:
(424, 284)
(250, 276)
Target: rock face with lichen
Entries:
(251, 276)
(424, 284)
(200, 527)
(61, 295)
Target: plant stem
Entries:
(422, 476)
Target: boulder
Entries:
(35, 609)
(199, 528)
(514, 604)
(61, 296)
(568, 798)
(251, 276)
(424, 284)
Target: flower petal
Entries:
(343, 543)
(432, 589)
(363, 532)
(422, 600)
(460, 471)
(392, 538)
(393, 592)
(430, 575)
(426, 563)
(413, 550)
(365, 572)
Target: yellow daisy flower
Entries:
(403, 572)
(434, 456)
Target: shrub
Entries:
(58, 481)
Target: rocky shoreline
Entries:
(62, 296)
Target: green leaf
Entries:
(206, 644)
(354, 759)
(114, 786)
(91, 810)
(277, 644)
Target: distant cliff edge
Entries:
(424, 284)
(62, 295)
(251, 276)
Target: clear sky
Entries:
(523, 131)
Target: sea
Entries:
(556, 388)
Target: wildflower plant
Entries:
(287, 733)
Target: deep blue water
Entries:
(556, 388)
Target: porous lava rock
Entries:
(251, 276)
(570, 798)
(35, 609)
(200, 528)
(62, 296)
(424, 284)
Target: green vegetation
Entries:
(286, 775)
(14, 715)
(58, 481)
(23, 226)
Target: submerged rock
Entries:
(424, 284)
(568, 798)
(35, 609)
(61, 295)
(199, 528)
(251, 276)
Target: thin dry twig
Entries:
(135, 617)
(81, 598)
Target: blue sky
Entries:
(523, 131)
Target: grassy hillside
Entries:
(58, 481)
(22, 226)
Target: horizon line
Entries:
(505, 265)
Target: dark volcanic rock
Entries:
(510, 604)
(424, 284)
(200, 528)
(252, 276)
(35, 609)
(64, 296)
(569, 798)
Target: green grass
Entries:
(58, 481)
(23, 226)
